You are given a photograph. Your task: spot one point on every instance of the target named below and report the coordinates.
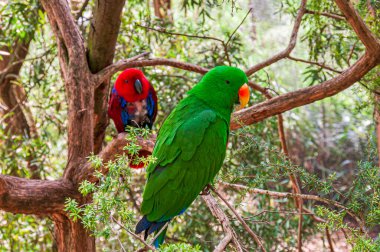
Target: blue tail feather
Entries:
(142, 225)
(151, 227)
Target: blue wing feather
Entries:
(150, 105)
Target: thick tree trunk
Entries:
(101, 49)
(71, 236)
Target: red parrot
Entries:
(133, 102)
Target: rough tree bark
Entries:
(71, 236)
(101, 49)
(81, 80)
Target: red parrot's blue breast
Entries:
(140, 113)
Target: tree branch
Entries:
(371, 43)
(223, 243)
(128, 63)
(101, 42)
(326, 14)
(314, 63)
(59, 12)
(79, 14)
(133, 234)
(32, 196)
(115, 147)
(288, 49)
(303, 96)
(224, 221)
(242, 221)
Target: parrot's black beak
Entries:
(138, 86)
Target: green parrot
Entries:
(190, 147)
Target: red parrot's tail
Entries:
(142, 153)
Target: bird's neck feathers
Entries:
(220, 103)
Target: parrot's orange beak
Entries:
(244, 95)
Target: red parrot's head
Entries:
(132, 85)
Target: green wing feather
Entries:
(190, 150)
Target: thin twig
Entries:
(223, 243)
(225, 44)
(237, 28)
(23, 60)
(328, 236)
(117, 237)
(314, 63)
(218, 213)
(351, 52)
(293, 179)
(79, 14)
(286, 52)
(134, 202)
(133, 234)
(326, 14)
(108, 71)
(163, 30)
(159, 232)
(245, 225)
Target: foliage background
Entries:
(332, 143)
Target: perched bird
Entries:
(190, 147)
(133, 102)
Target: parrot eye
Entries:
(126, 81)
(227, 81)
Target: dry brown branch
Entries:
(351, 53)
(292, 43)
(218, 213)
(123, 64)
(285, 102)
(163, 30)
(293, 179)
(242, 221)
(223, 243)
(328, 236)
(326, 14)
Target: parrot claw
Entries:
(206, 190)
